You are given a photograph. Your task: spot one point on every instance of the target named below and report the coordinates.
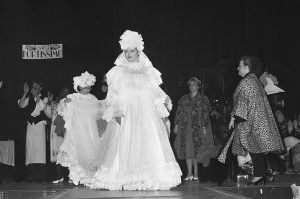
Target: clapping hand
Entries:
(26, 88)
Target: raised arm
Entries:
(23, 102)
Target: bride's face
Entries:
(131, 55)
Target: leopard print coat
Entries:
(192, 114)
(257, 132)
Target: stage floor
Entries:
(278, 190)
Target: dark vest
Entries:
(30, 108)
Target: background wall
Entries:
(181, 39)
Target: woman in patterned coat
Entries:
(255, 130)
(194, 139)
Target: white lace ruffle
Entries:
(67, 158)
(152, 78)
(161, 108)
(114, 78)
(162, 177)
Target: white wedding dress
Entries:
(137, 154)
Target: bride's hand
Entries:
(165, 119)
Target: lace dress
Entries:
(80, 148)
(137, 154)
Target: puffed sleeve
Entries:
(114, 81)
(161, 100)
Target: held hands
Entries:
(231, 123)
(118, 120)
(165, 119)
(67, 100)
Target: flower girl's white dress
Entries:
(80, 148)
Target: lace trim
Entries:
(147, 178)
(78, 96)
(67, 158)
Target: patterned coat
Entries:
(192, 115)
(256, 130)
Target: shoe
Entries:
(58, 181)
(195, 178)
(188, 178)
(261, 181)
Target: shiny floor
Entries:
(278, 190)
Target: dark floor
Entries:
(280, 189)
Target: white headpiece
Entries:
(270, 81)
(130, 40)
(86, 79)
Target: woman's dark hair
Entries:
(254, 64)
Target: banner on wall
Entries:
(49, 51)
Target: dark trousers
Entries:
(36, 172)
(62, 172)
(259, 166)
(275, 163)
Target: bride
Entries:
(137, 155)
